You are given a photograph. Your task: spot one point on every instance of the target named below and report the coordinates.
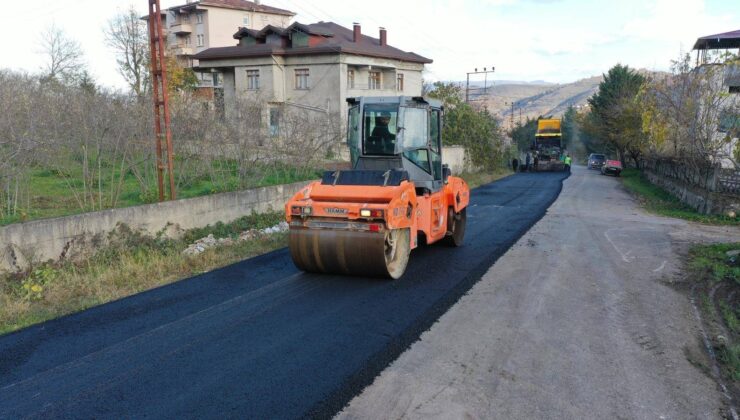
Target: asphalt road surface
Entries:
(580, 319)
(257, 339)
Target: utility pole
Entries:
(467, 82)
(512, 115)
(161, 99)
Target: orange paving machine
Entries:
(366, 220)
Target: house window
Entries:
(399, 81)
(253, 79)
(350, 79)
(186, 18)
(199, 17)
(186, 41)
(245, 21)
(201, 40)
(301, 79)
(373, 80)
(274, 122)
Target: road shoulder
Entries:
(577, 319)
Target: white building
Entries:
(202, 24)
(315, 66)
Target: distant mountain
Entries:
(479, 83)
(533, 99)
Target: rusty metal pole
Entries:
(156, 70)
(161, 98)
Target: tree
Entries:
(128, 36)
(476, 130)
(449, 93)
(689, 115)
(615, 115)
(63, 56)
(523, 134)
(180, 79)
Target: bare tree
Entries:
(127, 35)
(682, 114)
(63, 55)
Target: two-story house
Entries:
(202, 24)
(314, 66)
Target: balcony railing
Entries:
(181, 49)
(182, 28)
(370, 87)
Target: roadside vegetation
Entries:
(130, 263)
(473, 128)
(715, 274)
(659, 201)
(476, 179)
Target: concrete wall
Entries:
(702, 201)
(65, 237)
(455, 157)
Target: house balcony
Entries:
(182, 28)
(181, 49)
(373, 90)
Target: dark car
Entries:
(611, 167)
(596, 161)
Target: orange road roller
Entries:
(366, 220)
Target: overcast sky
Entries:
(551, 40)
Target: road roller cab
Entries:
(398, 194)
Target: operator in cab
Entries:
(382, 137)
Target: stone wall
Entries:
(64, 237)
(708, 190)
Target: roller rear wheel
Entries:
(397, 248)
(456, 227)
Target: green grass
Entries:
(729, 357)
(51, 195)
(659, 201)
(129, 264)
(708, 266)
(729, 315)
(476, 179)
(712, 262)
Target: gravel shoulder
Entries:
(580, 318)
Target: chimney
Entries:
(383, 37)
(357, 32)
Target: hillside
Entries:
(532, 100)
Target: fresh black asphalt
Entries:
(257, 339)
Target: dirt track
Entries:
(577, 320)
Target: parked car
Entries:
(595, 161)
(611, 167)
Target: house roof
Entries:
(254, 33)
(237, 5)
(338, 40)
(719, 41)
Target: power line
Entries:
(467, 82)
